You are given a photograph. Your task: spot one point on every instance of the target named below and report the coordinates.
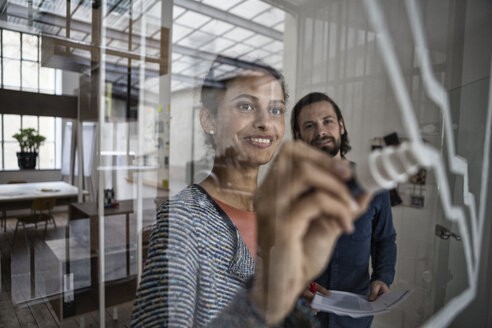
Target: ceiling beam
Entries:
(187, 79)
(229, 18)
(195, 53)
(32, 103)
(111, 33)
(284, 5)
(81, 26)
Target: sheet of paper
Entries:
(355, 305)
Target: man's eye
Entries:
(328, 121)
(277, 111)
(245, 106)
(308, 126)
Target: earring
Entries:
(212, 132)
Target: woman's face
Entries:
(249, 123)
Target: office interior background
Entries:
(113, 86)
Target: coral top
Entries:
(245, 222)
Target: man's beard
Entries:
(331, 149)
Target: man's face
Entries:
(319, 126)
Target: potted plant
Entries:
(29, 142)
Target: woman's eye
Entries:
(245, 106)
(277, 111)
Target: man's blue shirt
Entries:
(373, 238)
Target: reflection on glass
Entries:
(10, 152)
(11, 44)
(30, 76)
(47, 127)
(11, 125)
(47, 76)
(30, 121)
(11, 74)
(46, 155)
(29, 47)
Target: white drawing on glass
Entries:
(472, 240)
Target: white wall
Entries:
(186, 135)
(473, 95)
(70, 83)
(337, 54)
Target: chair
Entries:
(4, 212)
(40, 211)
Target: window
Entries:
(20, 69)
(21, 64)
(49, 156)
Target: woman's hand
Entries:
(302, 207)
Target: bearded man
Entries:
(317, 120)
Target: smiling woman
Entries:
(203, 247)
(248, 123)
(204, 243)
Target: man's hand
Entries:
(308, 294)
(377, 288)
(302, 207)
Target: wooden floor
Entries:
(24, 295)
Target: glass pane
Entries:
(223, 5)
(1, 136)
(11, 44)
(196, 39)
(58, 142)
(216, 46)
(11, 149)
(58, 82)
(11, 125)
(216, 27)
(177, 11)
(192, 19)
(47, 127)
(30, 76)
(270, 17)
(250, 8)
(180, 31)
(279, 27)
(29, 47)
(11, 73)
(238, 34)
(258, 40)
(47, 155)
(30, 121)
(47, 76)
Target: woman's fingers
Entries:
(302, 168)
(317, 204)
(300, 151)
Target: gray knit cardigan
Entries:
(196, 265)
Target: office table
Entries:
(20, 196)
(89, 210)
(68, 251)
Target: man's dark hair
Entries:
(309, 99)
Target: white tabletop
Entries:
(27, 191)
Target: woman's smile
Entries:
(259, 141)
